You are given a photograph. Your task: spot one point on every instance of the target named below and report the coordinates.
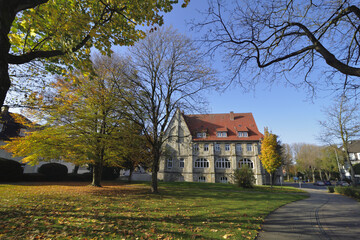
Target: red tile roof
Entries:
(211, 123)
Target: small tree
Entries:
(244, 177)
(270, 153)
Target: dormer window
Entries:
(201, 135)
(221, 134)
(243, 134)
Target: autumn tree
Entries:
(171, 73)
(270, 153)
(84, 120)
(342, 125)
(284, 38)
(63, 32)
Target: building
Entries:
(14, 125)
(209, 147)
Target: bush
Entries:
(244, 177)
(54, 171)
(330, 189)
(110, 173)
(10, 170)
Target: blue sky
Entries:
(286, 111)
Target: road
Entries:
(322, 216)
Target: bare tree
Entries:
(171, 73)
(288, 38)
(342, 125)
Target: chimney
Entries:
(232, 116)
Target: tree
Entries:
(342, 124)
(84, 120)
(288, 36)
(307, 158)
(287, 159)
(63, 32)
(270, 153)
(171, 73)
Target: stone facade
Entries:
(195, 151)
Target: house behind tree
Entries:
(209, 147)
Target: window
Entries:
(196, 147)
(181, 163)
(201, 163)
(221, 134)
(223, 179)
(243, 134)
(222, 163)
(238, 147)
(249, 147)
(246, 161)
(202, 179)
(201, 135)
(217, 147)
(169, 163)
(227, 147)
(206, 147)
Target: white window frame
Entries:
(181, 163)
(243, 134)
(221, 134)
(201, 163)
(202, 179)
(227, 147)
(169, 163)
(223, 179)
(249, 147)
(246, 161)
(206, 147)
(217, 147)
(222, 163)
(238, 147)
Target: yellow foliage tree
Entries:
(270, 153)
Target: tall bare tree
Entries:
(342, 124)
(288, 36)
(171, 73)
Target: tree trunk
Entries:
(131, 170)
(97, 171)
(7, 16)
(76, 169)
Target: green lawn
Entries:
(121, 211)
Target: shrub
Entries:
(110, 173)
(53, 171)
(330, 189)
(10, 170)
(244, 177)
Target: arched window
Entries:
(201, 163)
(223, 179)
(246, 161)
(222, 163)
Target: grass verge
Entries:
(121, 211)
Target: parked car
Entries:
(342, 183)
(319, 183)
(327, 183)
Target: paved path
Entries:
(322, 216)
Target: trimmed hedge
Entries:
(10, 170)
(54, 171)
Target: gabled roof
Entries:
(11, 124)
(213, 123)
(354, 146)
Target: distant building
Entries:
(209, 147)
(11, 126)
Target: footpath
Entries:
(321, 216)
